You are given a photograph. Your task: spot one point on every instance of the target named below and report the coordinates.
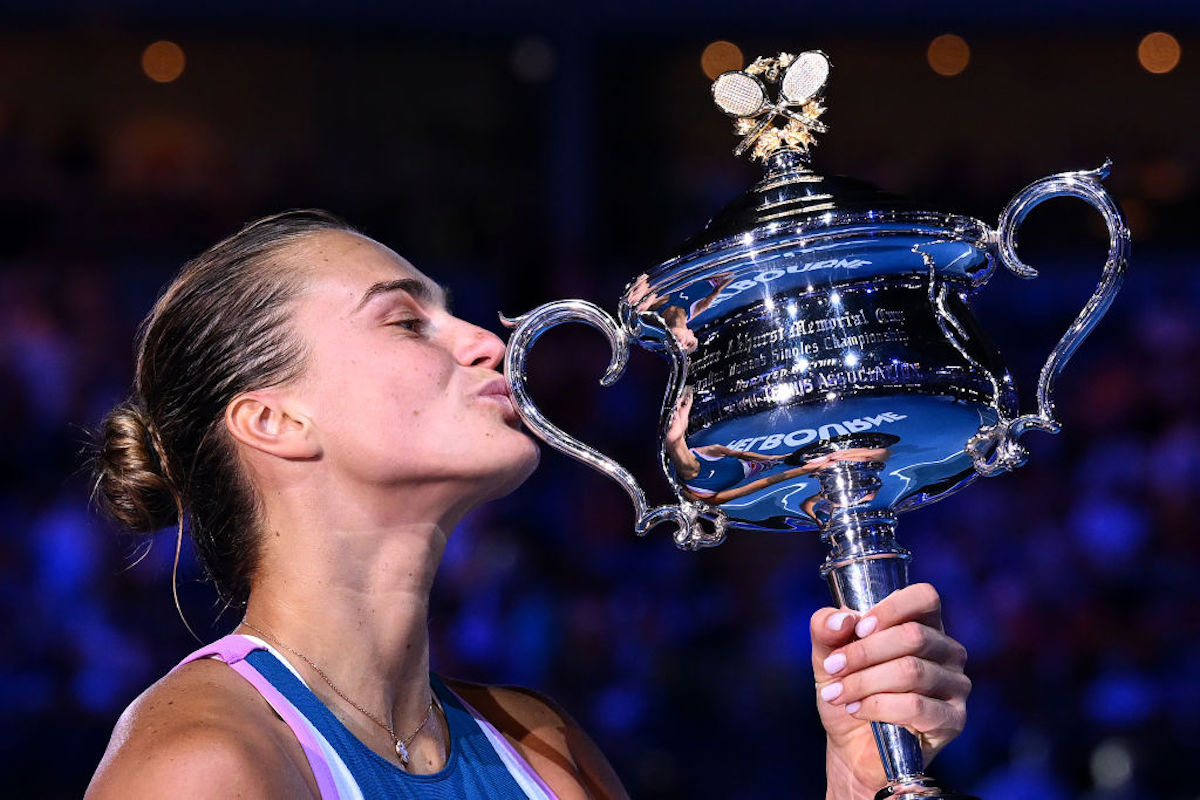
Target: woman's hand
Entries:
(640, 297)
(893, 663)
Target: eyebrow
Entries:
(420, 291)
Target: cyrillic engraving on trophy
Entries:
(793, 439)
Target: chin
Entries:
(527, 465)
(508, 476)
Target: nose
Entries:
(478, 347)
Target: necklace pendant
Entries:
(402, 752)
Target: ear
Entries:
(264, 421)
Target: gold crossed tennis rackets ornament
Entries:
(743, 95)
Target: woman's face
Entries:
(401, 393)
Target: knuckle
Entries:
(955, 716)
(912, 670)
(912, 706)
(929, 596)
(913, 636)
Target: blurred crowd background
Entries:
(522, 152)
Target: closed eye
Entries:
(411, 324)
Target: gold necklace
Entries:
(401, 745)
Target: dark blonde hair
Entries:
(222, 327)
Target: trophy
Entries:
(826, 370)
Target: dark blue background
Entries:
(1073, 582)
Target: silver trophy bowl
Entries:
(827, 372)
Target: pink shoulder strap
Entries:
(508, 754)
(233, 649)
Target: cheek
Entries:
(371, 394)
(396, 385)
(421, 393)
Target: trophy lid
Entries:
(791, 199)
(791, 194)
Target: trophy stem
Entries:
(864, 565)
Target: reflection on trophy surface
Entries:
(827, 370)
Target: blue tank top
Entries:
(723, 472)
(473, 769)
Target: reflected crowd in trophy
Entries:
(1074, 582)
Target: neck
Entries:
(357, 607)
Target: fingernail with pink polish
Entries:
(835, 622)
(852, 708)
(865, 626)
(835, 663)
(831, 691)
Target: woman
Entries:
(306, 401)
(714, 473)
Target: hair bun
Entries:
(131, 481)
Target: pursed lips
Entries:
(496, 390)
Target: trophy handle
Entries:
(995, 448)
(689, 533)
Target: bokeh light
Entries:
(1111, 765)
(1158, 52)
(163, 61)
(721, 56)
(948, 54)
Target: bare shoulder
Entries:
(201, 731)
(549, 739)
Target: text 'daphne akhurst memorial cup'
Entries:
(827, 372)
